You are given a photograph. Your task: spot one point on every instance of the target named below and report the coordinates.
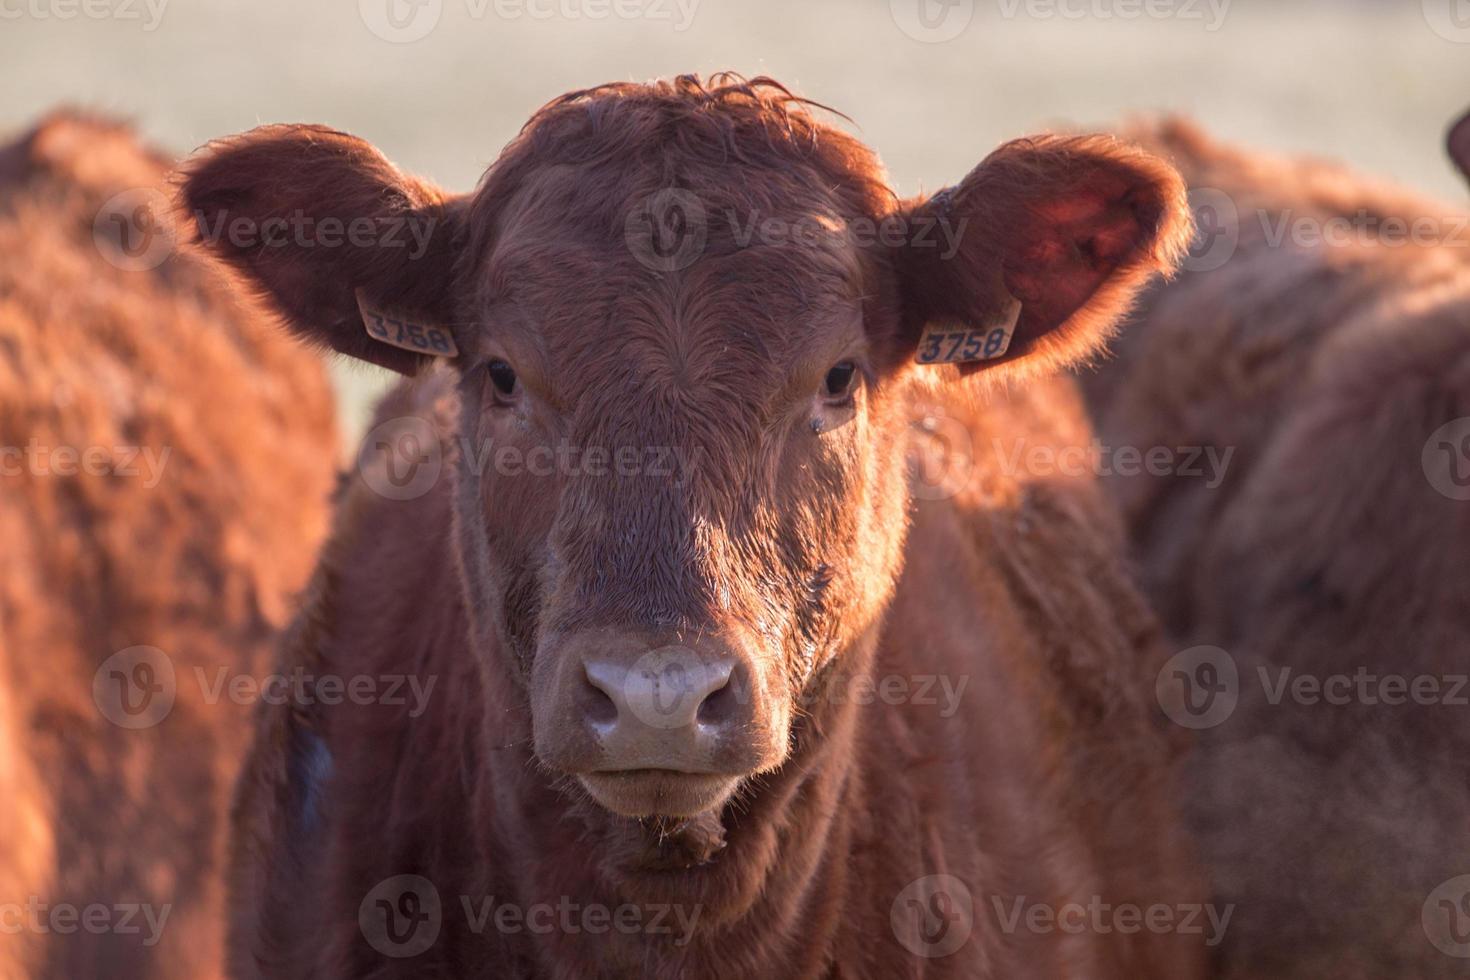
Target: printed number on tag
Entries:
(986, 342)
(952, 346)
(398, 331)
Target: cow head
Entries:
(691, 311)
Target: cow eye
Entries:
(839, 380)
(503, 377)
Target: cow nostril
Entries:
(719, 706)
(597, 703)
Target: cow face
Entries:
(683, 319)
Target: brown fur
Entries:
(1326, 550)
(795, 539)
(200, 565)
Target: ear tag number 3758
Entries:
(397, 330)
(939, 345)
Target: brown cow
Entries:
(650, 537)
(1324, 339)
(165, 463)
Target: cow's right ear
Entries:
(333, 234)
(1458, 144)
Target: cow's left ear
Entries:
(1458, 143)
(1031, 260)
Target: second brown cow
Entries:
(1321, 343)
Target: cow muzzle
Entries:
(655, 727)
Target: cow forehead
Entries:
(764, 275)
(667, 215)
(749, 314)
(805, 246)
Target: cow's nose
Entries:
(620, 701)
(668, 689)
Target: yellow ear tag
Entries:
(397, 330)
(957, 345)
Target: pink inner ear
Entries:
(1071, 247)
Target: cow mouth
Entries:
(658, 792)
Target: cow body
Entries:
(156, 492)
(1331, 553)
(719, 692)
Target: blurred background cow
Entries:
(1321, 581)
(168, 457)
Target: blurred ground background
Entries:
(441, 85)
